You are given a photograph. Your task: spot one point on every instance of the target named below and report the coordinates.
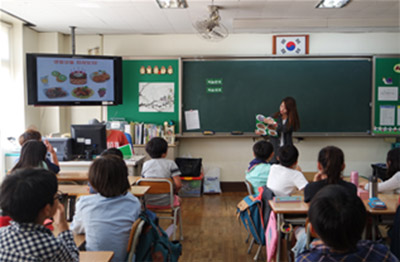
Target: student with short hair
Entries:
(338, 218)
(283, 178)
(32, 134)
(258, 171)
(107, 216)
(29, 196)
(33, 155)
(160, 167)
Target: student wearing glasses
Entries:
(29, 197)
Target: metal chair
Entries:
(136, 230)
(164, 186)
(249, 187)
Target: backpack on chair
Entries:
(250, 212)
(154, 244)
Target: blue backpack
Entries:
(250, 212)
(154, 244)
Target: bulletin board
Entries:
(386, 96)
(150, 92)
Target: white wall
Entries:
(247, 44)
(233, 154)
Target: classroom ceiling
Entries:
(240, 16)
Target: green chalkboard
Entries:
(137, 73)
(386, 95)
(333, 94)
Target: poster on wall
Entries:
(156, 97)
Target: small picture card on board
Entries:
(290, 45)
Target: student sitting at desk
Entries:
(160, 167)
(338, 218)
(393, 171)
(258, 171)
(107, 217)
(32, 134)
(283, 178)
(330, 166)
(33, 155)
(30, 196)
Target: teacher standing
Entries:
(285, 121)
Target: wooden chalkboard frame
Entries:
(277, 58)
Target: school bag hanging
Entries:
(249, 210)
(154, 244)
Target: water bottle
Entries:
(354, 178)
(373, 186)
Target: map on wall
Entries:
(156, 97)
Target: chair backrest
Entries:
(249, 187)
(158, 186)
(136, 230)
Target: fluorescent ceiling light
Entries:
(172, 3)
(332, 3)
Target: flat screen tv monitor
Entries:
(89, 140)
(55, 79)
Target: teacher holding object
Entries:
(284, 122)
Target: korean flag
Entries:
(291, 45)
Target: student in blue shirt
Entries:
(107, 216)
(258, 171)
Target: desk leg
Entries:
(374, 223)
(278, 249)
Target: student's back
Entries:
(258, 171)
(106, 217)
(160, 167)
(284, 178)
(330, 165)
(338, 218)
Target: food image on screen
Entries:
(78, 78)
(101, 92)
(82, 92)
(55, 92)
(59, 77)
(99, 76)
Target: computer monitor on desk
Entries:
(89, 140)
(59, 145)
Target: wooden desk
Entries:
(139, 191)
(98, 256)
(78, 239)
(282, 209)
(73, 176)
(79, 190)
(134, 165)
(82, 176)
(391, 201)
